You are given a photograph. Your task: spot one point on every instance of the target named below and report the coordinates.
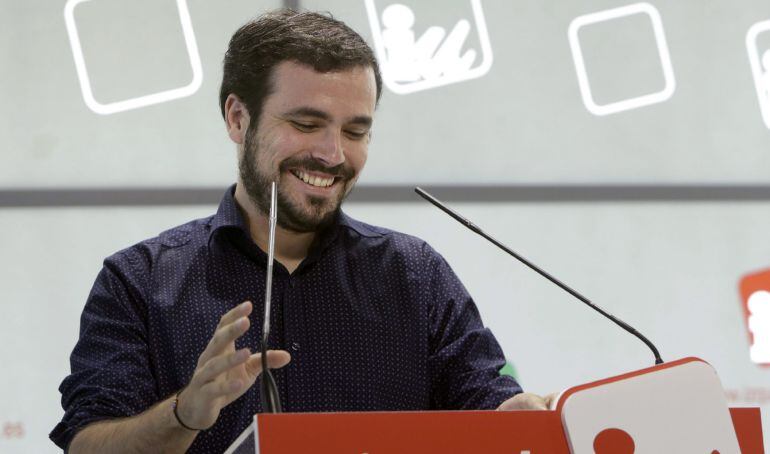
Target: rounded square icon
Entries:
(759, 59)
(438, 56)
(588, 20)
(86, 86)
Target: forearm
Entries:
(155, 430)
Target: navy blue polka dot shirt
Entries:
(373, 319)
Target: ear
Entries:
(236, 118)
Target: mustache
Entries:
(310, 164)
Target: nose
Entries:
(329, 150)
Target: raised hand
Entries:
(223, 374)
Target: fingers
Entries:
(241, 310)
(524, 401)
(219, 388)
(275, 360)
(226, 333)
(222, 363)
(223, 338)
(551, 400)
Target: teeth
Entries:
(312, 180)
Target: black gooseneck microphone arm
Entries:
(541, 272)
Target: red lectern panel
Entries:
(439, 432)
(489, 432)
(748, 427)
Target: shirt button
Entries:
(295, 346)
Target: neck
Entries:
(290, 247)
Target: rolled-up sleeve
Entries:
(111, 376)
(465, 358)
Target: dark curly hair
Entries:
(309, 38)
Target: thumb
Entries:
(275, 360)
(524, 401)
(552, 399)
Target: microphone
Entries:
(271, 402)
(541, 272)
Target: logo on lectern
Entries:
(614, 441)
(755, 300)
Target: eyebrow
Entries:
(363, 120)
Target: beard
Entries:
(320, 211)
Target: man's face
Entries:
(311, 139)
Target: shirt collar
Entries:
(228, 216)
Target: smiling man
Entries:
(311, 137)
(363, 318)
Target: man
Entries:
(373, 319)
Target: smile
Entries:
(313, 180)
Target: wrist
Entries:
(178, 414)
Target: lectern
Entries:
(677, 407)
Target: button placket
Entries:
(293, 317)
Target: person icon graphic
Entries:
(447, 61)
(397, 21)
(614, 441)
(759, 325)
(431, 56)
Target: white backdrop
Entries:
(673, 276)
